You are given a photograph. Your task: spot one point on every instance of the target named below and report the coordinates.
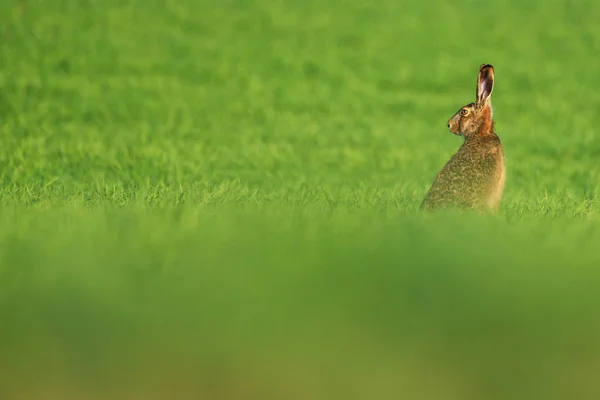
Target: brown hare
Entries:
(474, 177)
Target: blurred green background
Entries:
(218, 200)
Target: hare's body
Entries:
(474, 177)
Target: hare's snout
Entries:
(453, 126)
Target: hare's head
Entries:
(476, 118)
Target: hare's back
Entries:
(472, 177)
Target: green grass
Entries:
(218, 200)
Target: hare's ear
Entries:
(485, 83)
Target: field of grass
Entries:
(218, 199)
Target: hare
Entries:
(474, 177)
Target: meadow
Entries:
(219, 200)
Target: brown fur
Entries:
(474, 177)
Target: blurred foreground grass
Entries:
(215, 302)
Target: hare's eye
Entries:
(464, 112)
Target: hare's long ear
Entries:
(485, 84)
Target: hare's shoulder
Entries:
(472, 165)
(477, 156)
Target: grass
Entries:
(219, 200)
